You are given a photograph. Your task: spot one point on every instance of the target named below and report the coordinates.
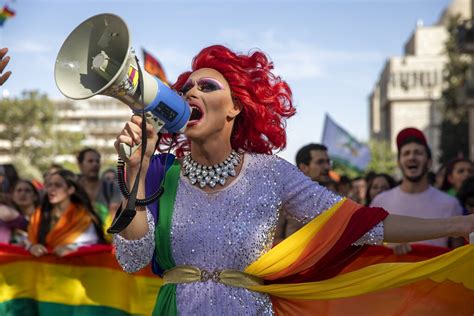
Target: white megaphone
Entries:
(97, 58)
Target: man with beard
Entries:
(313, 161)
(415, 196)
(104, 195)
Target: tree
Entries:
(29, 125)
(383, 159)
(454, 124)
(343, 169)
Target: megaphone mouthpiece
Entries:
(105, 66)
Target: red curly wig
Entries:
(265, 99)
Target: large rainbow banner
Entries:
(87, 282)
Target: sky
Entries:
(331, 52)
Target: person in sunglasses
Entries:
(210, 236)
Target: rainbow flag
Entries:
(87, 282)
(313, 271)
(153, 66)
(133, 76)
(5, 13)
(434, 295)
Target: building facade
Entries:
(408, 92)
(100, 119)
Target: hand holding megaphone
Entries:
(97, 58)
(126, 149)
(131, 137)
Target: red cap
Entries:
(410, 134)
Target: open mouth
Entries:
(412, 167)
(196, 114)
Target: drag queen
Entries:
(210, 237)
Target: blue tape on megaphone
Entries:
(169, 107)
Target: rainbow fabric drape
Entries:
(318, 271)
(365, 285)
(87, 282)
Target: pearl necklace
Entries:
(210, 175)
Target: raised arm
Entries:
(400, 229)
(136, 243)
(304, 200)
(131, 135)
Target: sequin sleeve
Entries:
(304, 199)
(372, 237)
(133, 255)
(301, 197)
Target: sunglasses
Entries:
(203, 84)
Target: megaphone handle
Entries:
(126, 151)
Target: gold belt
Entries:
(190, 274)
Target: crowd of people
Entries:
(23, 200)
(63, 212)
(417, 193)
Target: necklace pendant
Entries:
(210, 175)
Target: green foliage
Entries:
(454, 139)
(454, 125)
(343, 169)
(383, 159)
(29, 125)
(72, 166)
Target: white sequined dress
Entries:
(231, 228)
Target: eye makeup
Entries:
(204, 84)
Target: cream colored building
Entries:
(100, 119)
(409, 89)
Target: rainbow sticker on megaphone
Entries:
(129, 83)
(133, 77)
